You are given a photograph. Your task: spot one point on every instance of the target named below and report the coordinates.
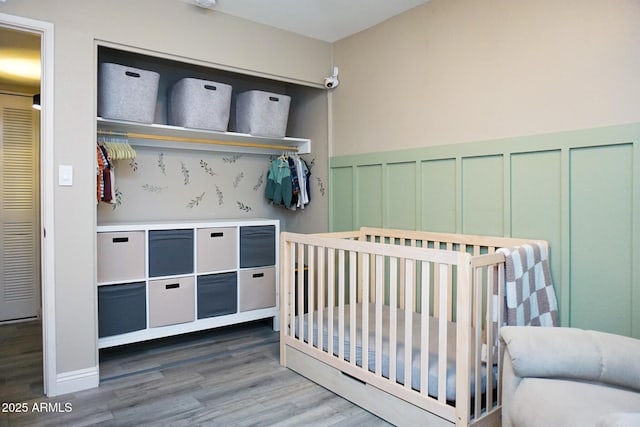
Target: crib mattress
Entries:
(400, 346)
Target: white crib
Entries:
(353, 321)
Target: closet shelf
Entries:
(175, 137)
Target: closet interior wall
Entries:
(174, 184)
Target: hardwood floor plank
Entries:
(225, 377)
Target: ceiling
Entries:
(328, 20)
(19, 60)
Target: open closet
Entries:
(188, 240)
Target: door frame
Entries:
(47, 180)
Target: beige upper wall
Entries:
(454, 71)
(168, 26)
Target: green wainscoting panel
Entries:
(341, 199)
(401, 195)
(369, 204)
(577, 189)
(439, 199)
(601, 245)
(536, 205)
(483, 195)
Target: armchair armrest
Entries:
(573, 353)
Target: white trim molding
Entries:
(47, 179)
(82, 379)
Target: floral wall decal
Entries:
(195, 201)
(204, 165)
(185, 172)
(219, 194)
(231, 159)
(117, 199)
(161, 164)
(243, 207)
(152, 188)
(237, 179)
(321, 186)
(259, 183)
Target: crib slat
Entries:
(490, 333)
(379, 302)
(424, 328)
(300, 292)
(477, 339)
(402, 242)
(331, 284)
(291, 301)
(341, 291)
(393, 316)
(365, 311)
(500, 311)
(408, 319)
(321, 293)
(352, 306)
(442, 333)
(436, 292)
(310, 276)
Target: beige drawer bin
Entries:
(257, 288)
(171, 301)
(217, 249)
(121, 256)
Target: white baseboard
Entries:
(70, 382)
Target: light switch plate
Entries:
(65, 175)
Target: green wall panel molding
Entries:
(439, 201)
(574, 189)
(482, 196)
(369, 195)
(601, 243)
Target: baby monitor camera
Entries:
(332, 82)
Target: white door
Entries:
(19, 209)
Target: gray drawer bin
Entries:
(120, 256)
(200, 104)
(217, 294)
(257, 288)
(262, 113)
(171, 301)
(257, 246)
(121, 309)
(170, 252)
(217, 249)
(127, 93)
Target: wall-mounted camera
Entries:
(332, 82)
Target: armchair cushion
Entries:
(569, 377)
(574, 354)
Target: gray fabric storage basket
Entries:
(262, 113)
(200, 104)
(127, 93)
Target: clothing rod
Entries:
(200, 140)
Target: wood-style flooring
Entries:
(225, 377)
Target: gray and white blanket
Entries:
(529, 294)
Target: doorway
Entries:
(19, 206)
(45, 182)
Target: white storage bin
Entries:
(120, 256)
(262, 113)
(200, 104)
(257, 288)
(217, 249)
(171, 301)
(127, 93)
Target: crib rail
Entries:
(378, 292)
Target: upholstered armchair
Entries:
(569, 377)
